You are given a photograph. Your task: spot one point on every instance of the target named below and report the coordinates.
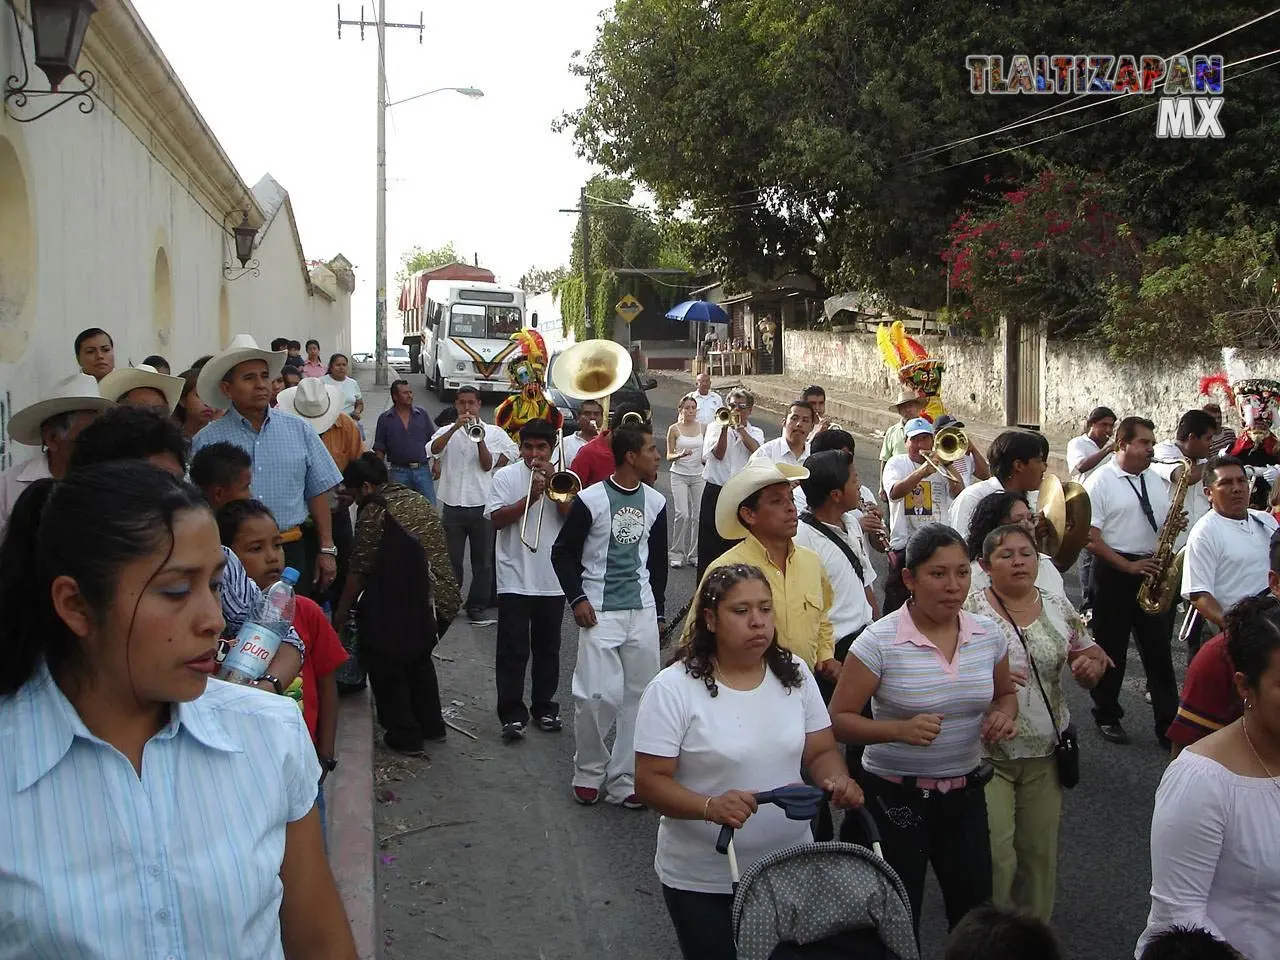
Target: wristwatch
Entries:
(326, 767)
(329, 551)
(274, 681)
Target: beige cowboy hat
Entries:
(77, 392)
(905, 395)
(241, 349)
(756, 475)
(315, 401)
(123, 379)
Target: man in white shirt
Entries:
(1019, 459)
(530, 598)
(53, 423)
(865, 519)
(1085, 454)
(793, 446)
(590, 416)
(913, 502)
(1229, 548)
(726, 448)
(466, 473)
(1193, 440)
(1130, 505)
(708, 401)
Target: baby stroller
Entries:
(819, 901)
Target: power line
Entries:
(1054, 111)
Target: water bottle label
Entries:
(252, 650)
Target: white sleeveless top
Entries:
(690, 466)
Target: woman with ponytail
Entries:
(145, 808)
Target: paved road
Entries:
(512, 868)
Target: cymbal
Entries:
(1068, 514)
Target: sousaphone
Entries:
(1068, 515)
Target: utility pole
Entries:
(380, 281)
(586, 258)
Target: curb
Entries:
(350, 810)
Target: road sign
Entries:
(629, 308)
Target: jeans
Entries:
(415, 478)
(528, 626)
(686, 501)
(324, 818)
(710, 543)
(616, 660)
(1116, 615)
(949, 831)
(703, 923)
(463, 525)
(407, 697)
(1087, 561)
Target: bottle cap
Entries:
(290, 576)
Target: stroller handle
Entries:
(800, 802)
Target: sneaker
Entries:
(550, 724)
(586, 795)
(677, 564)
(632, 803)
(511, 732)
(478, 619)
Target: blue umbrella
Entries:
(699, 310)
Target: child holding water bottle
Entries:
(249, 529)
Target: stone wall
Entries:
(1074, 377)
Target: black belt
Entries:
(408, 466)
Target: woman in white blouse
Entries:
(339, 375)
(1024, 798)
(1215, 833)
(684, 454)
(733, 714)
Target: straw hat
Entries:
(123, 379)
(905, 395)
(77, 392)
(241, 349)
(756, 475)
(315, 401)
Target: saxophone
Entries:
(1160, 589)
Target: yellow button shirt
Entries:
(801, 598)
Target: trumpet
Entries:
(726, 416)
(563, 486)
(475, 431)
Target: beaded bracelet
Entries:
(705, 807)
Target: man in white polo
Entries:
(708, 400)
(52, 424)
(793, 446)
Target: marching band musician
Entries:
(865, 519)
(1228, 548)
(726, 448)
(1085, 454)
(1193, 440)
(793, 446)
(1019, 459)
(1123, 541)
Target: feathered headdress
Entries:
(898, 349)
(1218, 382)
(535, 348)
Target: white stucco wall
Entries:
(102, 227)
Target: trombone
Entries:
(949, 445)
(563, 486)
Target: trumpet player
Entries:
(469, 451)
(726, 448)
(590, 419)
(816, 397)
(912, 481)
(530, 599)
(1130, 505)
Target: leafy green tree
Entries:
(417, 259)
(538, 280)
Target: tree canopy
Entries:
(417, 259)
(801, 134)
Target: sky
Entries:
(285, 96)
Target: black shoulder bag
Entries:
(1066, 752)
(842, 649)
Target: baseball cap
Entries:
(918, 426)
(946, 420)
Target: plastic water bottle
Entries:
(262, 633)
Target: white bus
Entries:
(466, 335)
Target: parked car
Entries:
(362, 358)
(398, 359)
(632, 391)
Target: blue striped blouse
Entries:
(182, 862)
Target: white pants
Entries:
(686, 498)
(616, 660)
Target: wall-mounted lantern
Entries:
(58, 29)
(243, 235)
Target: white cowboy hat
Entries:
(123, 379)
(756, 475)
(77, 392)
(242, 348)
(905, 395)
(315, 401)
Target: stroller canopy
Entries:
(810, 892)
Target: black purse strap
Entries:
(1032, 661)
(821, 527)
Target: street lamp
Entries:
(380, 317)
(57, 35)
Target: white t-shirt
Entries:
(707, 405)
(849, 608)
(462, 483)
(572, 444)
(738, 740)
(1080, 449)
(735, 453)
(918, 508)
(778, 451)
(1196, 502)
(1114, 497)
(350, 388)
(1228, 559)
(850, 521)
(521, 570)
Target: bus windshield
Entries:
(483, 322)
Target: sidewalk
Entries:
(862, 415)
